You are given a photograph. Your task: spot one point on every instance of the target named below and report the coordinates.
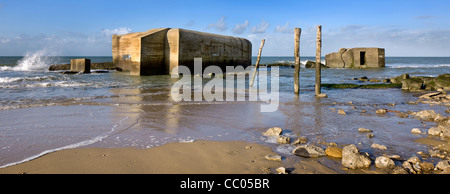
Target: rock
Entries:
(442, 165)
(273, 131)
(342, 112)
(443, 81)
(322, 95)
(428, 115)
(412, 84)
(370, 135)
(309, 151)
(417, 131)
(351, 158)
(334, 152)
(283, 140)
(386, 80)
(363, 130)
(399, 170)
(435, 131)
(414, 166)
(364, 78)
(384, 162)
(312, 64)
(430, 95)
(402, 115)
(273, 158)
(300, 140)
(282, 170)
(374, 80)
(427, 167)
(378, 146)
(381, 111)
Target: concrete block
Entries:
(80, 65)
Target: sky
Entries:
(85, 27)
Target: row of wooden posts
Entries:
(298, 32)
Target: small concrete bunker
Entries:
(158, 51)
(356, 58)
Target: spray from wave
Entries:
(33, 61)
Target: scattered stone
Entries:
(363, 130)
(442, 165)
(374, 80)
(309, 151)
(384, 162)
(334, 152)
(414, 166)
(351, 158)
(364, 78)
(300, 140)
(283, 140)
(417, 131)
(370, 135)
(402, 115)
(394, 157)
(427, 167)
(282, 170)
(273, 158)
(428, 115)
(386, 80)
(322, 95)
(381, 111)
(399, 170)
(342, 112)
(378, 146)
(273, 131)
(435, 131)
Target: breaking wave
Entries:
(32, 61)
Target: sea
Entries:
(44, 111)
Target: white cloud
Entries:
(240, 28)
(220, 25)
(261, 28)
(118, 31)
(284, 29)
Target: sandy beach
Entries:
(204, 157)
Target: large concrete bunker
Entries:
(158, 51)
(356, 58)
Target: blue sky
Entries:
(84, 28)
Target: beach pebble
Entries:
(309, 151)
(442, 165)
(351, 158)
(384, 162)
(363, 130)
(334, 152)
(342, 112)
(370, 135)
(282, 170)
(381, 111)
(273, 131)
(273, 158)
(378, 146)
(416, 131)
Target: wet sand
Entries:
(205, 157)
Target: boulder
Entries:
(442, 165)
(412, 84)
(384, 162)
(309, 151)
(300, 140)
(443, 81)
(312, 64)
(351, 158)
(435, 131)
(283, 140)
(334, 152)
(273, 131)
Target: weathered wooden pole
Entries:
(318, 54)
(298, 32)
(257, 61)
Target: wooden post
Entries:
(318, 54)
(257, 61)
(298, 32)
